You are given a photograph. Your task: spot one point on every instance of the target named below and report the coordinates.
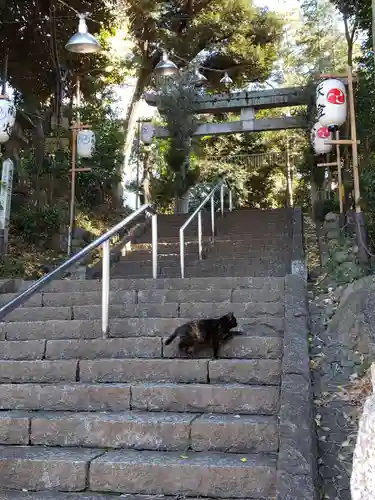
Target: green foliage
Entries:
(37, 57)
(37, 225)
(225, 33)
(11, 267)
(176, 104)
(96, 187)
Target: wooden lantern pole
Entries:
(74, 170)
(339, 175)
(353, 128)
(353, 142)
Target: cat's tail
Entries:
(171, 337)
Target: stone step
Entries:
(215, 283)
(55, 495)
(267, 294)
(276, 270)
(242, 252)
(40, 468)
(220, 261)
(169, 370)
(146, 256)
(68, 299)
(167, 272)
(262, 325)
(142, 431)
(128, 267)
(174, 238)
(64, 299)
(65, 397)
(201, 474)
(38, 371)
(217, 398)
(165, 246)
(240, 347)
(146, 310)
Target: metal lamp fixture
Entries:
(226, 80)
(198, 78)
(82, 42)
(166, 67)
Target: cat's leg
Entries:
(215, 348)
(228, 336)
(186, 347)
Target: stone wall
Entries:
(362, 483)
(340, 260)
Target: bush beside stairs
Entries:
(88, 418)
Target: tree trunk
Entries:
(143, 80)
(181, 204)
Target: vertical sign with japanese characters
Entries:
(5, 197)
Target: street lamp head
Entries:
(82, 42)
(198, 78)
(226, 80)
(166, 67)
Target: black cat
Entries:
(202, 333)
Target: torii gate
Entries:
(247, 103)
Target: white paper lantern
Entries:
(147, 133)
(86, 143)
(331, 103)
(319, 135)
(7, 119)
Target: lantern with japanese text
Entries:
(7, 118)
(86, 143)
(319, 135)
(331, 103)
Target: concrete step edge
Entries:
(132, 370)
(194, 398)
(141, 430)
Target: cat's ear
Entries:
(230, 315)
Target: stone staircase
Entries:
(260, 241)
(128, 416)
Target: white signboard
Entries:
(147, 133)
(6, 193)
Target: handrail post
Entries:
(200, 235)
(213, 217)
(105, 287)
(230, 200)
(154, 224)
(182, 253)
(222, 200)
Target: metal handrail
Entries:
(104, 241)
(211, 196)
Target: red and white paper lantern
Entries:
(331, 103)
(86, 143)
(319, 136)
(7, 118)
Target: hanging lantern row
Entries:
(7, 118)
(166, 67)
(319, 136)
(331, 103)
(86, 142)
